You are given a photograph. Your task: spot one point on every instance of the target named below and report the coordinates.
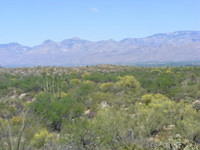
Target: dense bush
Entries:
(100, 108)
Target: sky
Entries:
(30, 22)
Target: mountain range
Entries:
(180, 46)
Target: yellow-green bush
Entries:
(41, 138)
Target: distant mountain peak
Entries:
(75, 38)
(49, 42)
(162, 47)
(10, 45)
(177, 34)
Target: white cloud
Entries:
(94, 10)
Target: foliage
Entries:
(100, 108)
(41, 137)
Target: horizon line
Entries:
(109, 39)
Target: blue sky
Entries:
(30, 22)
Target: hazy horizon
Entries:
(80, 38)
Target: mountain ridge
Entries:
(163, 47)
